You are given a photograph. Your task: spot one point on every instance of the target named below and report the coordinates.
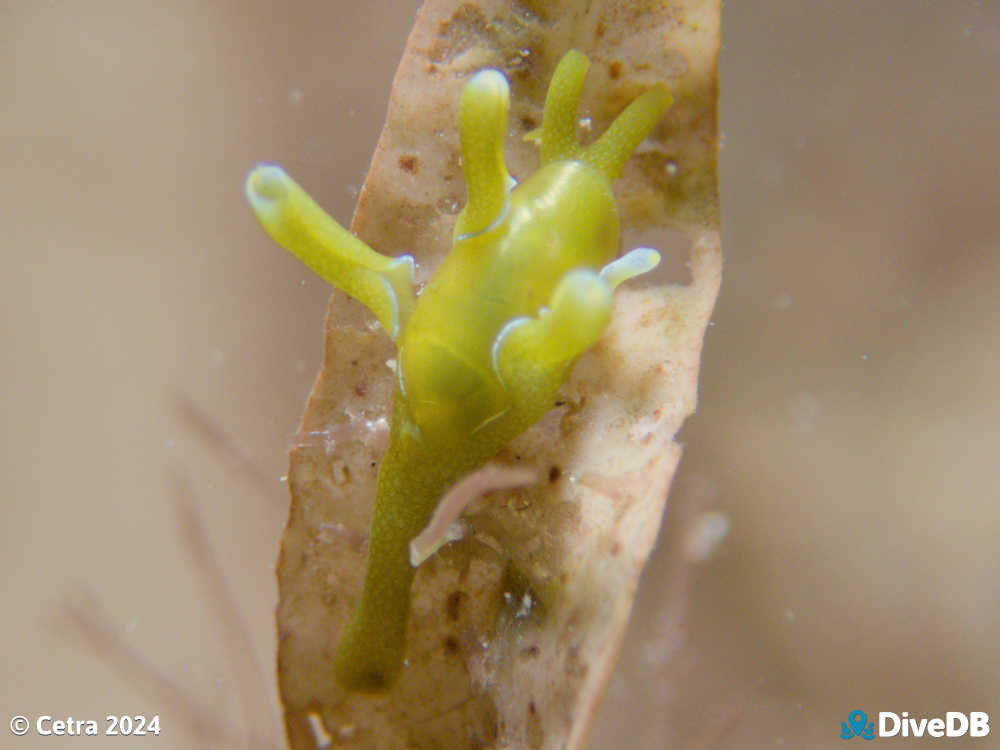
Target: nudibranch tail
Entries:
(482, 125)
(411, 480)
(298, 224)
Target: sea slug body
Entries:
(484, 349)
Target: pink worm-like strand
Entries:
(490, 478)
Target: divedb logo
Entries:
(952, 724)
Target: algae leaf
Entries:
(515, 628)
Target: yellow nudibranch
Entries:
(483, 351)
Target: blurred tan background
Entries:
(850, 397)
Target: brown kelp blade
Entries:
(514, 628)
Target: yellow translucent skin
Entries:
(483, 351)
